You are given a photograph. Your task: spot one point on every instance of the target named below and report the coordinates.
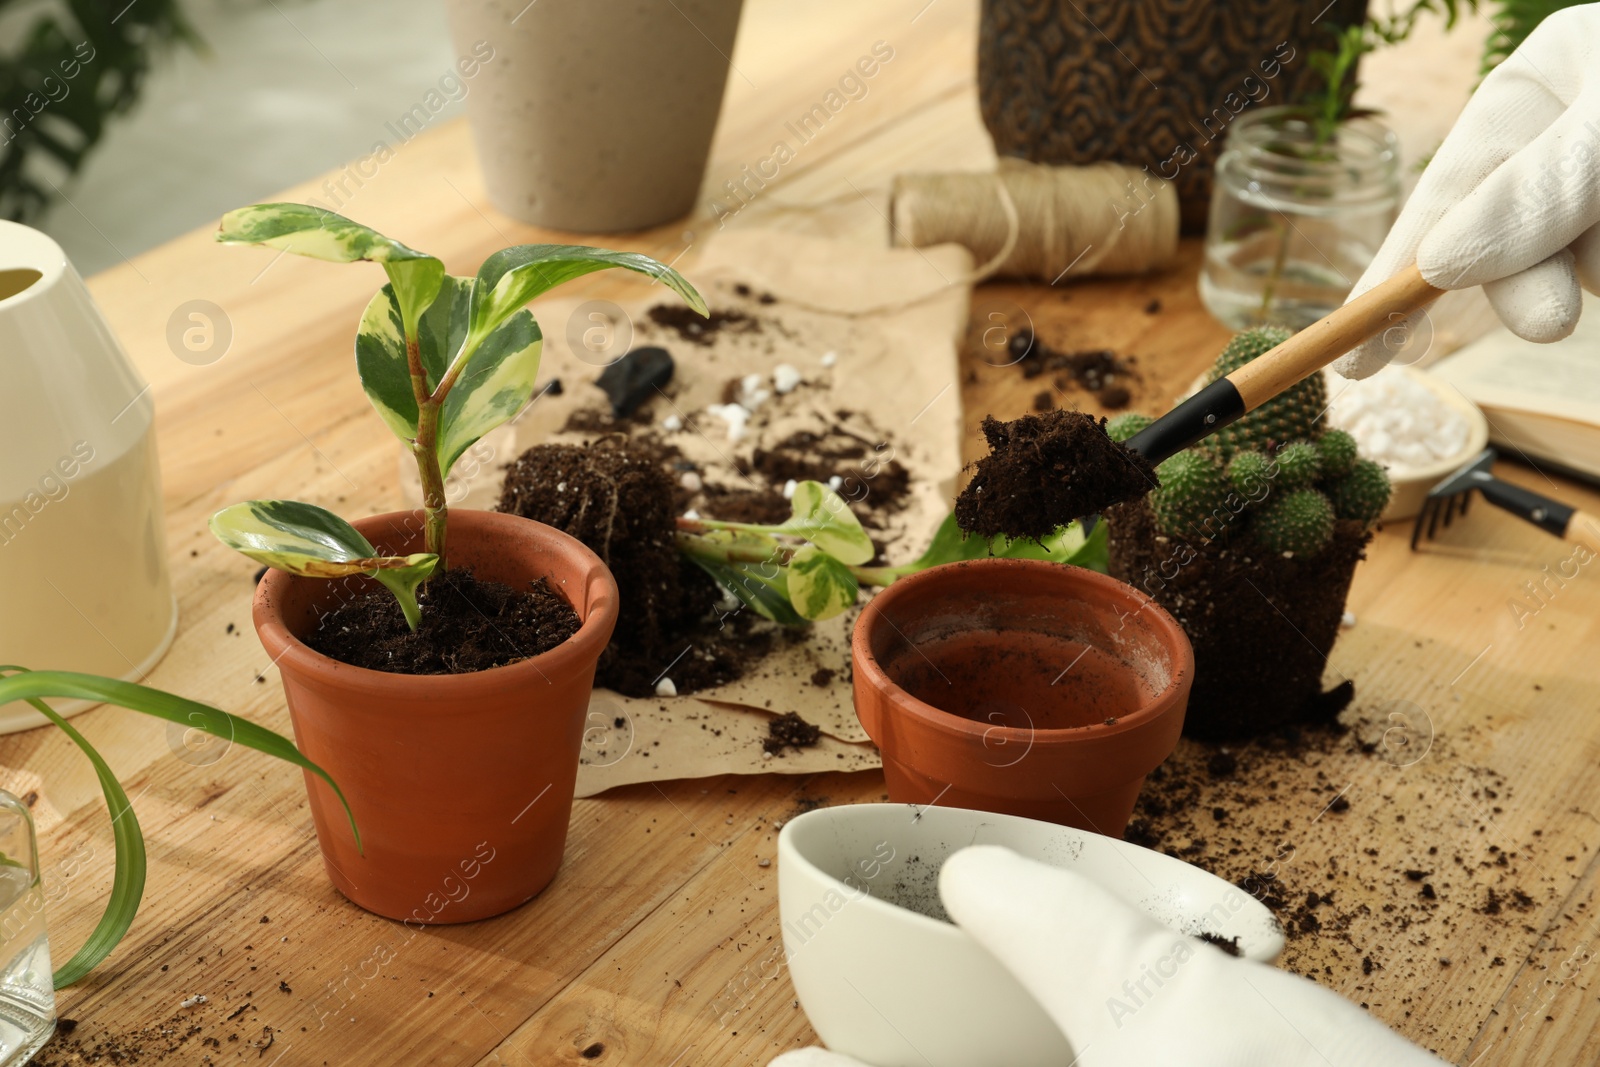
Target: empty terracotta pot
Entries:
(461, 784)
(1022, 687)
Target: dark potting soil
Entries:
(617, 498)
(765, 507)
(788, 731)
(1098, 371)
(467, 625)
(699, 329)
(1261, 625)
(871, 483)
(1043, 471)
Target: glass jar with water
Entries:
(1297, 213)
(27, 995)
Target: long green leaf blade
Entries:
(822, 517)
(767, 595)
(820, 586)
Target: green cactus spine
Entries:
(1298, 523)
(1192, 492)
(1362, 494)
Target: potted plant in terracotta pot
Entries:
(443, 674)
(1251, 542)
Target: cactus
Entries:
(1338, 452)
(1293, 415)
(1250, 474)
(1124, 426)
(1299, 465)
(1298, 523)
(1192, 490)
(1361, 494)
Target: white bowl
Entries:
(884, 981)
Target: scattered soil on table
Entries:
(1098, 371)
(1231, 595)
(165, 1042)
(698, 329)
(1043, 471)
(870, 483)
(467, 625)
(617, 497)
(788, 731)
(764, 507)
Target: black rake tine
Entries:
(1422, 517)
(1433, 521)
(1450, 511)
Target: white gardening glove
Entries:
(1089, 958)
(1512, 198)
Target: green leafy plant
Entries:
(1278, 475)
(75, 66)
(812, 566)
(443, 360)
(127, 881)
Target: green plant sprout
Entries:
(443, 359)
(127, 880)
(812, 565)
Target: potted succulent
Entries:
(1251, 542)
(443, 675)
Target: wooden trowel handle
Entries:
(1380, 308)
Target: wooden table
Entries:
(663, 915)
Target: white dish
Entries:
(895, 987)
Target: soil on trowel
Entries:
(1043, 471)
(468, 624)
(617, 497)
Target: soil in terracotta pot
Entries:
(1262, 626)
(1043, 471)
(467, 625)
(617, 497)
(1019, 679)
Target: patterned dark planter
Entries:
(1152, 83)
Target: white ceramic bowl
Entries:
(895, 987)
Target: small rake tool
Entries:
(1450, 498)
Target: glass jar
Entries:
(1295, 217)
(27, 993)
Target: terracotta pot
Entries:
(461, 784)
(1021, 687)
(597, 115)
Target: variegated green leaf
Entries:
(495, 385)
(318, 234)
(822, 517)
(719, 543)
(820, 586)
(310, 541)
(513, 276)
(760, 586)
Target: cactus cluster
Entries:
(1278, 472)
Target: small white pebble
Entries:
(1348, 619)
(735, 415)
(788, 489)
(829, 358)
(672, 424)
(835, 482)
(764, 863)
(561, 487)
(665, 688)
(691, 481)
(194, 1001)
(777, 824)
(691, 514)
(751, 392)
(785, 377)
(729, 820)
(766, 755)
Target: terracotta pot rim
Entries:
(1161, 704)
(594, 629)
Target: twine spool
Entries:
(1028, 220)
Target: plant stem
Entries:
(426, 450)
(691, 545)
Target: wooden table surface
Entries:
(663, 920)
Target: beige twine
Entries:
(1027, 220)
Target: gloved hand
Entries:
(1061, 935)
(1512, 198)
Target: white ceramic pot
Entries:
(883, 981)
(83, 558)
(595, 115)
